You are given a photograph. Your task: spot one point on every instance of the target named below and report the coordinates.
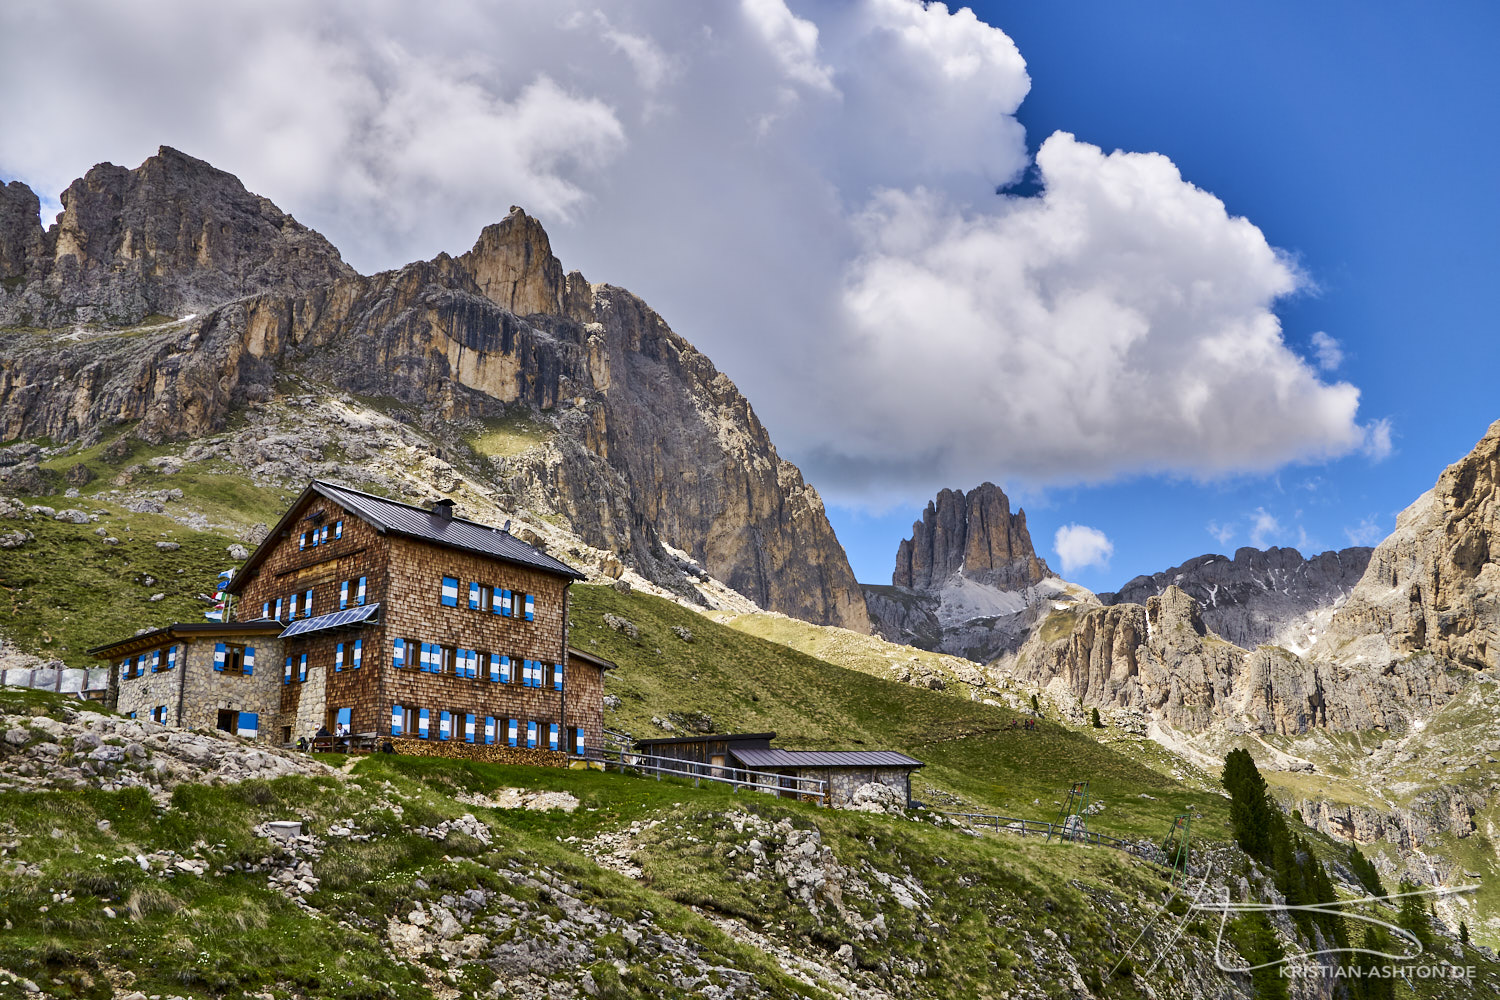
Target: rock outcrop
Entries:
(973, 535)
(171, 237)
(1261, 595)
(1433, 586)
(649, 448)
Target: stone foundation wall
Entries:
(493, 754)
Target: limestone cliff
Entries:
(1433, 586)
(652, 448)
(172, 236)
(974, 535)
(968, 581)
(1261, 595)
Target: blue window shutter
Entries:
(338, 529)
(531, 735)
(343, 718)
(578, 741)
(398, 654)
(422, 723)
(325, 534)
(468, 729)
(495, 597)
(125, 669)
(343, 595)
(450, 592)
(396, 715)
(494, 667)
(307, 608)
(552, 737)
(445, 725)
(249, 724)
(426, 665)
(510, 731)
(473, 597)
(359, 652)
(557, 676)
(489, 729)
(504, 670)
(505, 602)
(359, 596)
(530, 608)
(249, 660)
(302, 541)
(155, 661)
(219, 656)
(171, 657)
(302, 668)
(278, 609)
(338, 658)
(286, 678)
(265, 610)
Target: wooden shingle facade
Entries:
(411, 624)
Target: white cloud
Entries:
(805, 191)
(1367, 532)
(1222, 533)
(1265, 529)
(1078, 546)
(1327, 350)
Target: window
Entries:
(343, 722)
(226, 721)
(481, 598)
(232, 658)
(446, 657)
(343, 655)
(502, 602)
(286, 734)
(352, 590)
(172, 653)
(495, 661)
(159, 715)
(449, 593)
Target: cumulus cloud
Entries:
(1327, 350)
(1078, 546)
(804, 188)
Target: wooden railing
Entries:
(770, 782)
(1037, 827)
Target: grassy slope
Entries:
(747, 684)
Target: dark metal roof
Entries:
(396, 518)
(259, 626)
(768, 758)
(349, 616)
(712, 738)
(591, 659)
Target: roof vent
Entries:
(443, 510)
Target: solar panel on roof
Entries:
(352, 616)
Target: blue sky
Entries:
(1363, 139)
(806, 190)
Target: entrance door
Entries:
(227, 717)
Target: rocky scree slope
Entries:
(968, 582)
(1261, 595)
(654, 450)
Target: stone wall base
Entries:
(462, 750)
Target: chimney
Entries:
(443, 510)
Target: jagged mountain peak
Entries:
(972, 534)
(175, 235)
(513, 265)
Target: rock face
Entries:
(172, 236)
(1260, 596)
(974, 535)
(1433, 586)
(967, 582)
(650, 449)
